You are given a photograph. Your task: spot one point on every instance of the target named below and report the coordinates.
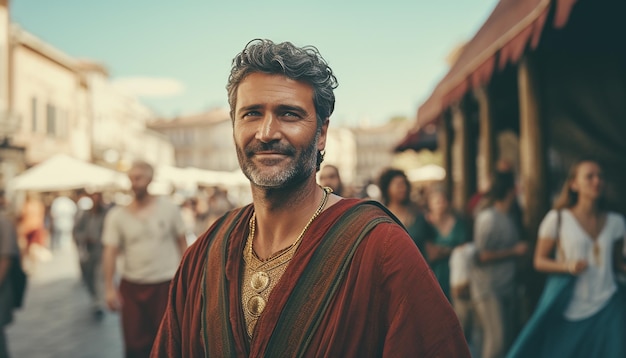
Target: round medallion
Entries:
(259, 281)
(255, 305)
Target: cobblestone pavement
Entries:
(56, 320)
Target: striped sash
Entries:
(219, 342)
(312, 293)
(322, 277)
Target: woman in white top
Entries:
(588, 241)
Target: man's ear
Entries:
(321, 143)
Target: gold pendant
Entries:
(259, 281)
(256, 305)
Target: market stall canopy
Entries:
(419, 139)
(512, 27)
(62, 172)
(429, 172)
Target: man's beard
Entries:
(299, 166)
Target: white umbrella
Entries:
(430, 172)
(62, 172)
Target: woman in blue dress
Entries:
(582, 311)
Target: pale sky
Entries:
(387, 55)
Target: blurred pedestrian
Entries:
(62, 213)
(219, 204)
(582, 312)
(449, 233)
(88, 236)
(493, 285)
(150, 234)
(11, 275)
(202, 219)
(329, 176)
(32, 234)
(461, 260)
(395, 192)
(480, 200)
(188, 212)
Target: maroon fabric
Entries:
(143, 307)
(389, 304)
(36, 236)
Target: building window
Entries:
(61, 123)
(33, 113)
(50, 119)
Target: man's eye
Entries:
(291, 114)
(251, 114)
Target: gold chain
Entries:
(327, 191)
(259, 281)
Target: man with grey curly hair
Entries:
(300, 64)
(300, 271)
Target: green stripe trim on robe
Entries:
(318, 284)
(224, 229)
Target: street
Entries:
(56, 320)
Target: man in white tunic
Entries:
(150, 235)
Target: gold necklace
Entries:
(261, 278)
(327, 191)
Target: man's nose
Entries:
(269, 128)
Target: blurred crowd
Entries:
(46, 222)
(483, 258)
(129, 246)
(479, 255)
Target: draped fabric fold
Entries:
(355, 288)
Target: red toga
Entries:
(388, 302)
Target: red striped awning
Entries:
(419, 139)
(512, 28)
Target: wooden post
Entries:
(461, 158)
(533, 167)
(533, 154)
(444, 143)
(486, 140)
